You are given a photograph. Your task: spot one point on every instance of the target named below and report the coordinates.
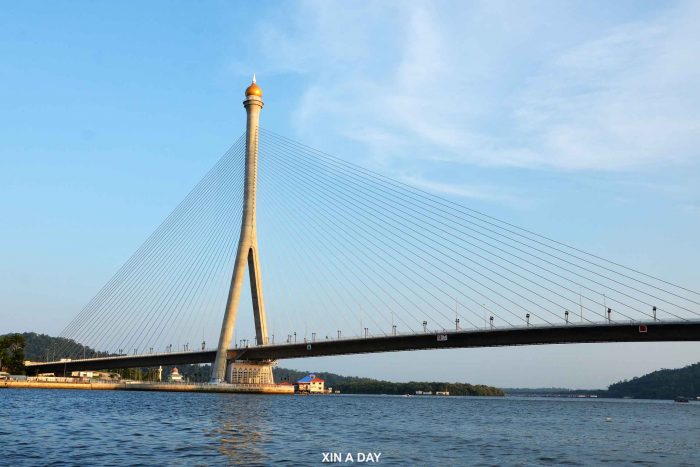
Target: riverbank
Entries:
(147, 386)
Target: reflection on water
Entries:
(42, 427)
(241, 429)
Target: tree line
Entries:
(357, 385)
(12, 353)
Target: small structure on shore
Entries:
(312, 385)
(175, 376)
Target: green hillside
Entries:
(661, 384)
(40, 347)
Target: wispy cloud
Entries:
(483, 84)
(481, 192)
(628, 99)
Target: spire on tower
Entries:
(253, 89)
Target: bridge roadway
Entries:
(533, 335)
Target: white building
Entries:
(175, 376)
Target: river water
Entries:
(65, 427)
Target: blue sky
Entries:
(577, 120)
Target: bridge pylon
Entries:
(247, 246)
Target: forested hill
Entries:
(39, 347)
(661, 384)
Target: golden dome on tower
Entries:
(253, 89)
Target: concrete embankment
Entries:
(142, 386)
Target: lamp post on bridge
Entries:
(527, 320)
(566, 316)
(491, 321)
(425, 326)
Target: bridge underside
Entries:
(571, 334)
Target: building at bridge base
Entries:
(249, 372)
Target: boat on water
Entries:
(681, 399)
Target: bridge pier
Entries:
(250, 372)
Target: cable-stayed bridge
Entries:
(353, 262)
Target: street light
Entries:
(491, 321)
(566, 316)
(527, 319)
(654, 310)
(609, 311)
(456, 324)
(365, 333)
(295, 337)
(425, 326)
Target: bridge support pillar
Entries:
(247, 245)
(249, 372)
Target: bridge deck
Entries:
(570, 334)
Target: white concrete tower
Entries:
(247, 243)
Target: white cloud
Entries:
(492, 84)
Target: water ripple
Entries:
(142, 428)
